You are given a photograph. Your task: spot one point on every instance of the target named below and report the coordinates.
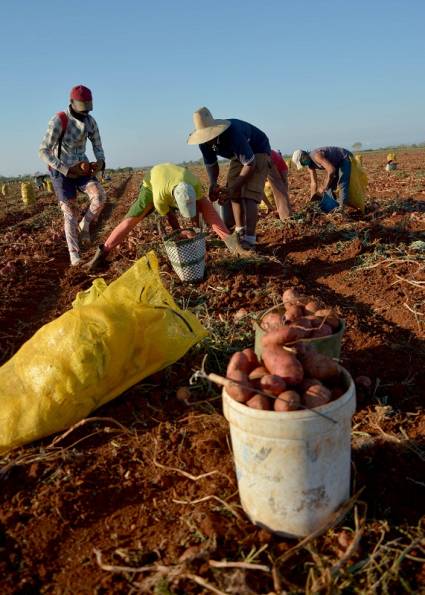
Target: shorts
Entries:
(254, 188)
(66, 188)
(144, 199)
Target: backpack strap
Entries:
(64, 122)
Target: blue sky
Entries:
(307, 73)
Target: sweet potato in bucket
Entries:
(287, 380)
(301, 318)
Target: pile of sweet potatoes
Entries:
(286, 379)
(303, 318)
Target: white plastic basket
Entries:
(187, 256)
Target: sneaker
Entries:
(247, 247)
(75, 259)
(98, 260)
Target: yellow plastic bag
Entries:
(27, 193)
(268, 192)
(113, 337)
(84, 298)
(358, 186)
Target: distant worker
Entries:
(391, 162)
(281, 197)
(335, 161)
(249, 151)
(39, 181)
(63, 148)
(166, 188)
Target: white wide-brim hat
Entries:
(206, 127)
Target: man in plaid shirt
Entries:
(63, 150)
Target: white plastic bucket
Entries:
(293, 468)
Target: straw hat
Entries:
(206, 127)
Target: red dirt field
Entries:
(142, 497)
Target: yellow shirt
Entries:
(163, 178)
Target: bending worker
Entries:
(335, 161)
(165, 188)
(63, 149)
(249, 151)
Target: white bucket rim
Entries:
(301, 415)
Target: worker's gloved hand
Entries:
(96, 166)
(233, 245)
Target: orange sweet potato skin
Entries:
(273, 384)
(284, 364)
(289, 400)
(317, 365)
(316, 396)
(272, 321)
(287, 334)
(260, 402)
(238, 370)
(330, 317)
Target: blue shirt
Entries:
(335, 155)
(241, 141)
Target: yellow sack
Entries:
(358, 186)
(113, 337)
(27, 193)
(268, 194)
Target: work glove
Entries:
(233, 245)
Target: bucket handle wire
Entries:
(226, 382)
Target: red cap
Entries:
(81, 93)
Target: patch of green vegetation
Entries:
(162, 587)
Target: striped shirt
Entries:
(73, 144)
